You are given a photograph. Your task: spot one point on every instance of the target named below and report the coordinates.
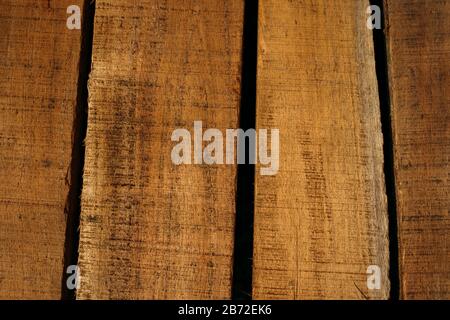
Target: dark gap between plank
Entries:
(73, 203)
(381, 62)
(245, 193)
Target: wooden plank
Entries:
(150, 229)
(322, 220)
(38, 91)
(419, 70)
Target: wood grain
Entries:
(321, 221)
(38, 91)
(419, 69)
(150, 229)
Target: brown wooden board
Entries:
(151, 229)
(322, 220)
(38, 93)
(418, 41)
